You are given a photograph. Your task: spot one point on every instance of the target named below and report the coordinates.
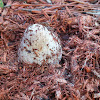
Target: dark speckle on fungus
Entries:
(47, 44)
(30, 34)
(34, 49)
(24, 47)
(28, 41)
(34, 58)
(29, 51)
(31, 30)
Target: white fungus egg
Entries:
(39, 46)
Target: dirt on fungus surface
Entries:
(77, 77)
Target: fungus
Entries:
(39, 46)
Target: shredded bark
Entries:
(77, 77)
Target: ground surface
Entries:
(77, 77)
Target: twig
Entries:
(97, 95)
(96, 73)
(38, 11)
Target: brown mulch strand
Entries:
(77, 77)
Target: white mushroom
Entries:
(39, 46)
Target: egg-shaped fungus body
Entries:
(39, 46)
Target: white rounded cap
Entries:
(40, 46)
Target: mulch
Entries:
(77, 77)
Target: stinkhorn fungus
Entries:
(39, 46)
